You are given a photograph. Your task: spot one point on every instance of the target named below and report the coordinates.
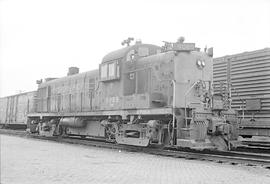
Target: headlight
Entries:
(203, 64)
(200, 64)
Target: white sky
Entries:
(42, 38)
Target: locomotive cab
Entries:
(124, 84)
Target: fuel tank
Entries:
(73, 122)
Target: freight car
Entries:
(141, 95)
(14, 110)
(246, 76)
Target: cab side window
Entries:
(103, 71)
(112, 69)
(109, 71)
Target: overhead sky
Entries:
(42, 38)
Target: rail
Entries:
(231, 157)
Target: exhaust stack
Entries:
(73, 71)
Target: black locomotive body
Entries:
(141, 95)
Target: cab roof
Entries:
(120, 53)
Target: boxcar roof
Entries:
(18, 94)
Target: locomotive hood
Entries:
(189, 70)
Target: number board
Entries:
(184, 46)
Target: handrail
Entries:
(173, 107)
(187, 92)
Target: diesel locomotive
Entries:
(141, 95)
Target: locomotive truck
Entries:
(141, 95)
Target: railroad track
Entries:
(255, 146)
(261, 144)
(230, 157)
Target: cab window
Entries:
(103, 71)
(130, 55)
(109, 71)
(143, 51)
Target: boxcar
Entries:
(14, 109)
(247, 76)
